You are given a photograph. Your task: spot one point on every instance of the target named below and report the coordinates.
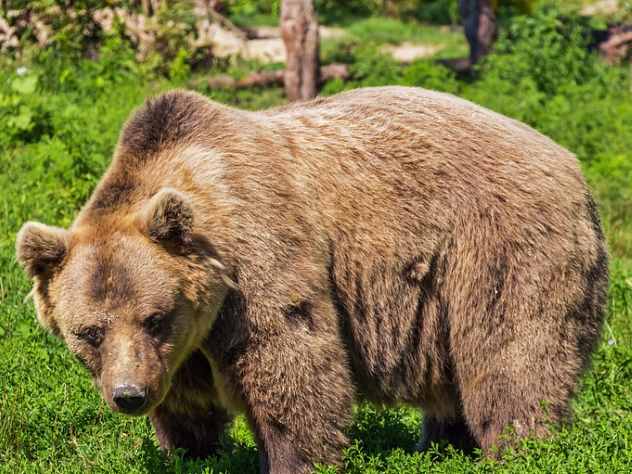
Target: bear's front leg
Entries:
(296, 385)
(189, 417)
(199, 434)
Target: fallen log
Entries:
(618, 45)
(270, 78)
(262, 32)
(226, 23)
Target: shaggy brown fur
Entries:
(395, 244)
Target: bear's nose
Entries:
(129, 398)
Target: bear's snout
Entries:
(130, 398)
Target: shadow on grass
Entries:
(380, 431)
(377, 432)
(233, 457)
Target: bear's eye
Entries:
(93, 335)
(155, 324)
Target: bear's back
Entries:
(396, 156)
(398, 134)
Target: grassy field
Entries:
(60, 121)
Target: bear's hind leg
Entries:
(520, 339)
(501, 410)
(520, 385)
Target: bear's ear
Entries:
(168, 217)
(41, 248)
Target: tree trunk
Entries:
(145, 5)
(299, 29)
(479, 21)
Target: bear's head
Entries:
(131, 296)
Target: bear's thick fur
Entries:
(394, 244)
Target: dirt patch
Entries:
(267, 50)
(604, 7)
(408, 52)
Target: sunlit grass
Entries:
(52, 419)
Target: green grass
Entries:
(52, 419)
(375, 32)
(392, 31)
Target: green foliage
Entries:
(374, 69)
(440, 12)
(431, 11)
(430, 76)
(506, 8)
(542, 73)
(61, 116)
(379, 30)
(548, 50)
(22, 111)
(179, 69)
(254, 7)
(81, 29)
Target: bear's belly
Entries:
(396, 331)
(227, 398)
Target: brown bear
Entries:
(392, 244)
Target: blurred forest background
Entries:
(72, 70)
